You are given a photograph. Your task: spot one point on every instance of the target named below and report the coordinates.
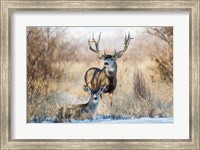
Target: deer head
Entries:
(109, 60)
(94, 95)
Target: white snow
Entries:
(108, 120)
(128, 121)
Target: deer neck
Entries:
(111, 71)
(92, 106)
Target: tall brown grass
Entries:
(136, 95)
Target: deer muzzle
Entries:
(106, 64)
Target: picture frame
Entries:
(8, 7)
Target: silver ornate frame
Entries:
(8, 7)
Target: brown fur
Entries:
(95, 78)
(78, 112)
(81, 111)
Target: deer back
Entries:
(81, 111)
(96, 78)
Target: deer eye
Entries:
(111, 59)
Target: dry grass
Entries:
(125, 101)
(140, 98)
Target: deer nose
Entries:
(95, 98)
(105, 63)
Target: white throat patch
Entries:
(95, 101)
(111, 69)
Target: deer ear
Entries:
(101, 89)
(86, 88)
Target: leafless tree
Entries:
(42, 44)
(164, 57)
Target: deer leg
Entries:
(111, 97)
(111, 110)
(101, 96)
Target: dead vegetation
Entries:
(164, 56)
(56, 65)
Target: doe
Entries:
(82, 111)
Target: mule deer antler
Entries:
(126, 44)
(96, 43)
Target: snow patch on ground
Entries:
(128, 121)
(108, 120)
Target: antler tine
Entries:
(99, 37)
(126, 44)
(96, 43)
(115, 51)
(90, 46)
(104, 52)
(125, 40)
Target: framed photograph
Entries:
(100, 75)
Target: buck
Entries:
(95, 77)
(82, 111)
